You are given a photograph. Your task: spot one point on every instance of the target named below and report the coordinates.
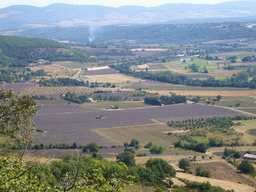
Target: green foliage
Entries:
(202, 173)
(201, 187)
(185, 165)
(73, 97)
(14, 114)
(194, 67)
(161, 168)
(149, 145)
(246, 167)
(61, 82)
(91, 147)
(231, 153)
(152, 101)
(219, 97)
(126, 157)
(134, 142)
(129, 150)
(156, 149)
(239, 79)
(19, 51)
(199, 147)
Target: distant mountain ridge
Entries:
(65, 15)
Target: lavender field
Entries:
(65, 123)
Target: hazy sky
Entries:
(110, 3)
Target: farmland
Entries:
(68, 123)
(109, 78)
(223, 171)
(18, 87)
(55, 70)
(57, 90)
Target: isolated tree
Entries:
(203, 173)
(91, 147)
(126, 157)
(161, 168)
(134, 142)
(219, 97)
(148, 145)
(185, 165)
(156, 149)
(246, 167)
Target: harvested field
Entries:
(57, 90)
(68, 123)
(192, 76)
(110, 78)
(223, 171)
(155, 66)
(56, 70)
(245, 128)
(18, 87)
(248, 93)
(100, 72)
(74, 65)
(140, 83)
(144, 133)
(227, 185)
(225, 73)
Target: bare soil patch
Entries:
(227, 185)
(110, 78)
(56, 70)
(223, 171)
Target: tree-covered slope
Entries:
(19, 51)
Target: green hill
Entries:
(19, 51)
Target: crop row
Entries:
(58, 90)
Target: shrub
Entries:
(202, 173)
(246, 167)
(185, 165)
(141, 154)
(148, 145)
(156, 149)
(161, 168)
(126, 157)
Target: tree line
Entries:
(240, 79)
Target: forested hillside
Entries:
(147, 34)
(19, 51)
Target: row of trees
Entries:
(240, 79)
(62, 82)
(166, 100)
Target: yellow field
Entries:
(227, 185)
(249, 93)
(140, 49)
(57, 90)
(56, 70)
(144, 133)
(244, 128)
(110, 78)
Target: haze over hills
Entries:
(66, 15)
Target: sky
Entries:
(109, 3)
